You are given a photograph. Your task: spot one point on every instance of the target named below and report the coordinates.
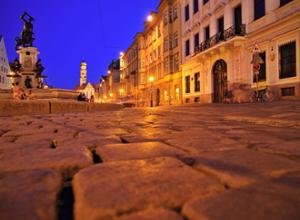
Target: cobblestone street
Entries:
(180, 162)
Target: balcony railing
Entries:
(229, 33)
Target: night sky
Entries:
(68, 31)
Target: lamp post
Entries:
(151, 79)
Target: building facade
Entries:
(160, 59)
(4, 66)
(112, 81)
(219, 37)
(85, 87)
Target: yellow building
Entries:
(159, 74)
(219, 37)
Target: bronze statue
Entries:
(26, 39)
(39, 68)
(15, 66)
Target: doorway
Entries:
(219, 72)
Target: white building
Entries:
(218, 37)
(4, 66)
(85, 87)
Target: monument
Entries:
(27, 70)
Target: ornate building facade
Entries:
(4, 66)
(150, 68)
(219, 37)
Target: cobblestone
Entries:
(177, 162)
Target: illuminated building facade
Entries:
(218, 38)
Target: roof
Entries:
(84, 85)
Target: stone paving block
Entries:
(134, 151)
(275, 199)
(29, 195)
(242, 167)
(118, 187)
(204, 143)
(152, 214)
(288, 148)
(65, 160)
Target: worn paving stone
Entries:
(134, 151)
(275, 199)
(204, 142)
(152, 214)
(66, 160)
(241, 167)
(29, 195)
(118, 187)
(288, 148)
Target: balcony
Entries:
(226, 35)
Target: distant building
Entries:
(114, 90)
(4, 66)
(85, 87)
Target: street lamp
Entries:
(151, 80)
(149, 18)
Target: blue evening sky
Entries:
(68, 31)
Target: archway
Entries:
(157, 97)
(220, 88)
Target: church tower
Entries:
(83, 72)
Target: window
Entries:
(196, 41)
(262, 70)
(197, 82)
(176, 62)
(238, 19)
(175, 14)
(187, 12)
(288, 91)
(205, 1)
(206, 33)
(171, 15)
(220, 24)
(284, 2)
(175, 39)
(187, 84)
(166, 44)
(171, 64)
(287, 60)
(170, 42)
(166, 66)
(259, 9)
(196, 6)
(187, 48)
(165, 19)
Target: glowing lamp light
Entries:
(121, 53)
(111, 94)
(151, 79)
(149, 18)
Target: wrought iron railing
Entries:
(235, 30)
